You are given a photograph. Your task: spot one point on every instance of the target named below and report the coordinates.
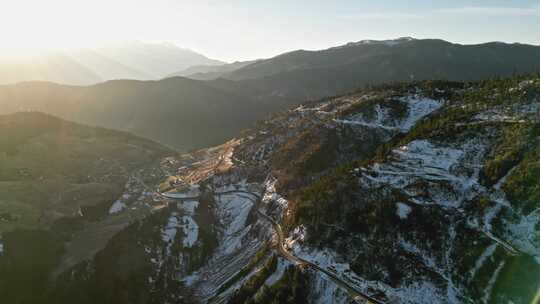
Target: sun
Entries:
(58, 24)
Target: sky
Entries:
(233, 30)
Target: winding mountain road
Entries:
(358, 296)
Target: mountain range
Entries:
(130, 60)
(176, 111)
(395, 171)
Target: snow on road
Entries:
(192, 192)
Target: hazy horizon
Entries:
(242, 30)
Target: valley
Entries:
(263, 152)
(209, 103)
(421, 192)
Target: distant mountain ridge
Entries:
(187, 113)
(132, 60)
(305, 74)
(335, 70)
(179, 112)
(209, 72)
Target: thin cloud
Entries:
(384, 16)
(492, 11)
(479, 11)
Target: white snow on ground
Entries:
(191, 193)
(403, 210)
(524, 234)
(191, 231)
(422, 292)
(233, 211)
(427, 260)
(422, 160)
(381, 115)
(117, 207)
(323, 291)
(169, 231)
(451, 292)
(296, 236)
(238, 242)
(191, 279)
(521, 234)
(417, 108)
(491, 283)
(188, 226)
(282, 264)
(271, 196)
(518, 113)
(188, 206)
(417, 292)
(483, 258)
(239, 186)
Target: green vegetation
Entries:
(254, 283)
(522, 186)
(292, 288)
(326, 201)
(25, 267)
(255, 260)
(120, 272)
(50, 168)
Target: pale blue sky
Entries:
(241, 29)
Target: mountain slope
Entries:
(209, 72)
(179, 112)
(314, 74)
(155, 59)
(132, 60)
(413, 193)
(416, 193)
(105, 67)
(51, 66)
(406, 193)
(61, 185)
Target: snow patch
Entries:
(188, 206)
(273, 199)
(483, 258)
(282, 265)
(456, 169)
(417, 108)
(324, 290)
(191, 231)
(117, 207)
(422, 292)
(188, 226)
(524, 235)
(403, 210)
(489, 289)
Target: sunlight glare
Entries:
(38, 25)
